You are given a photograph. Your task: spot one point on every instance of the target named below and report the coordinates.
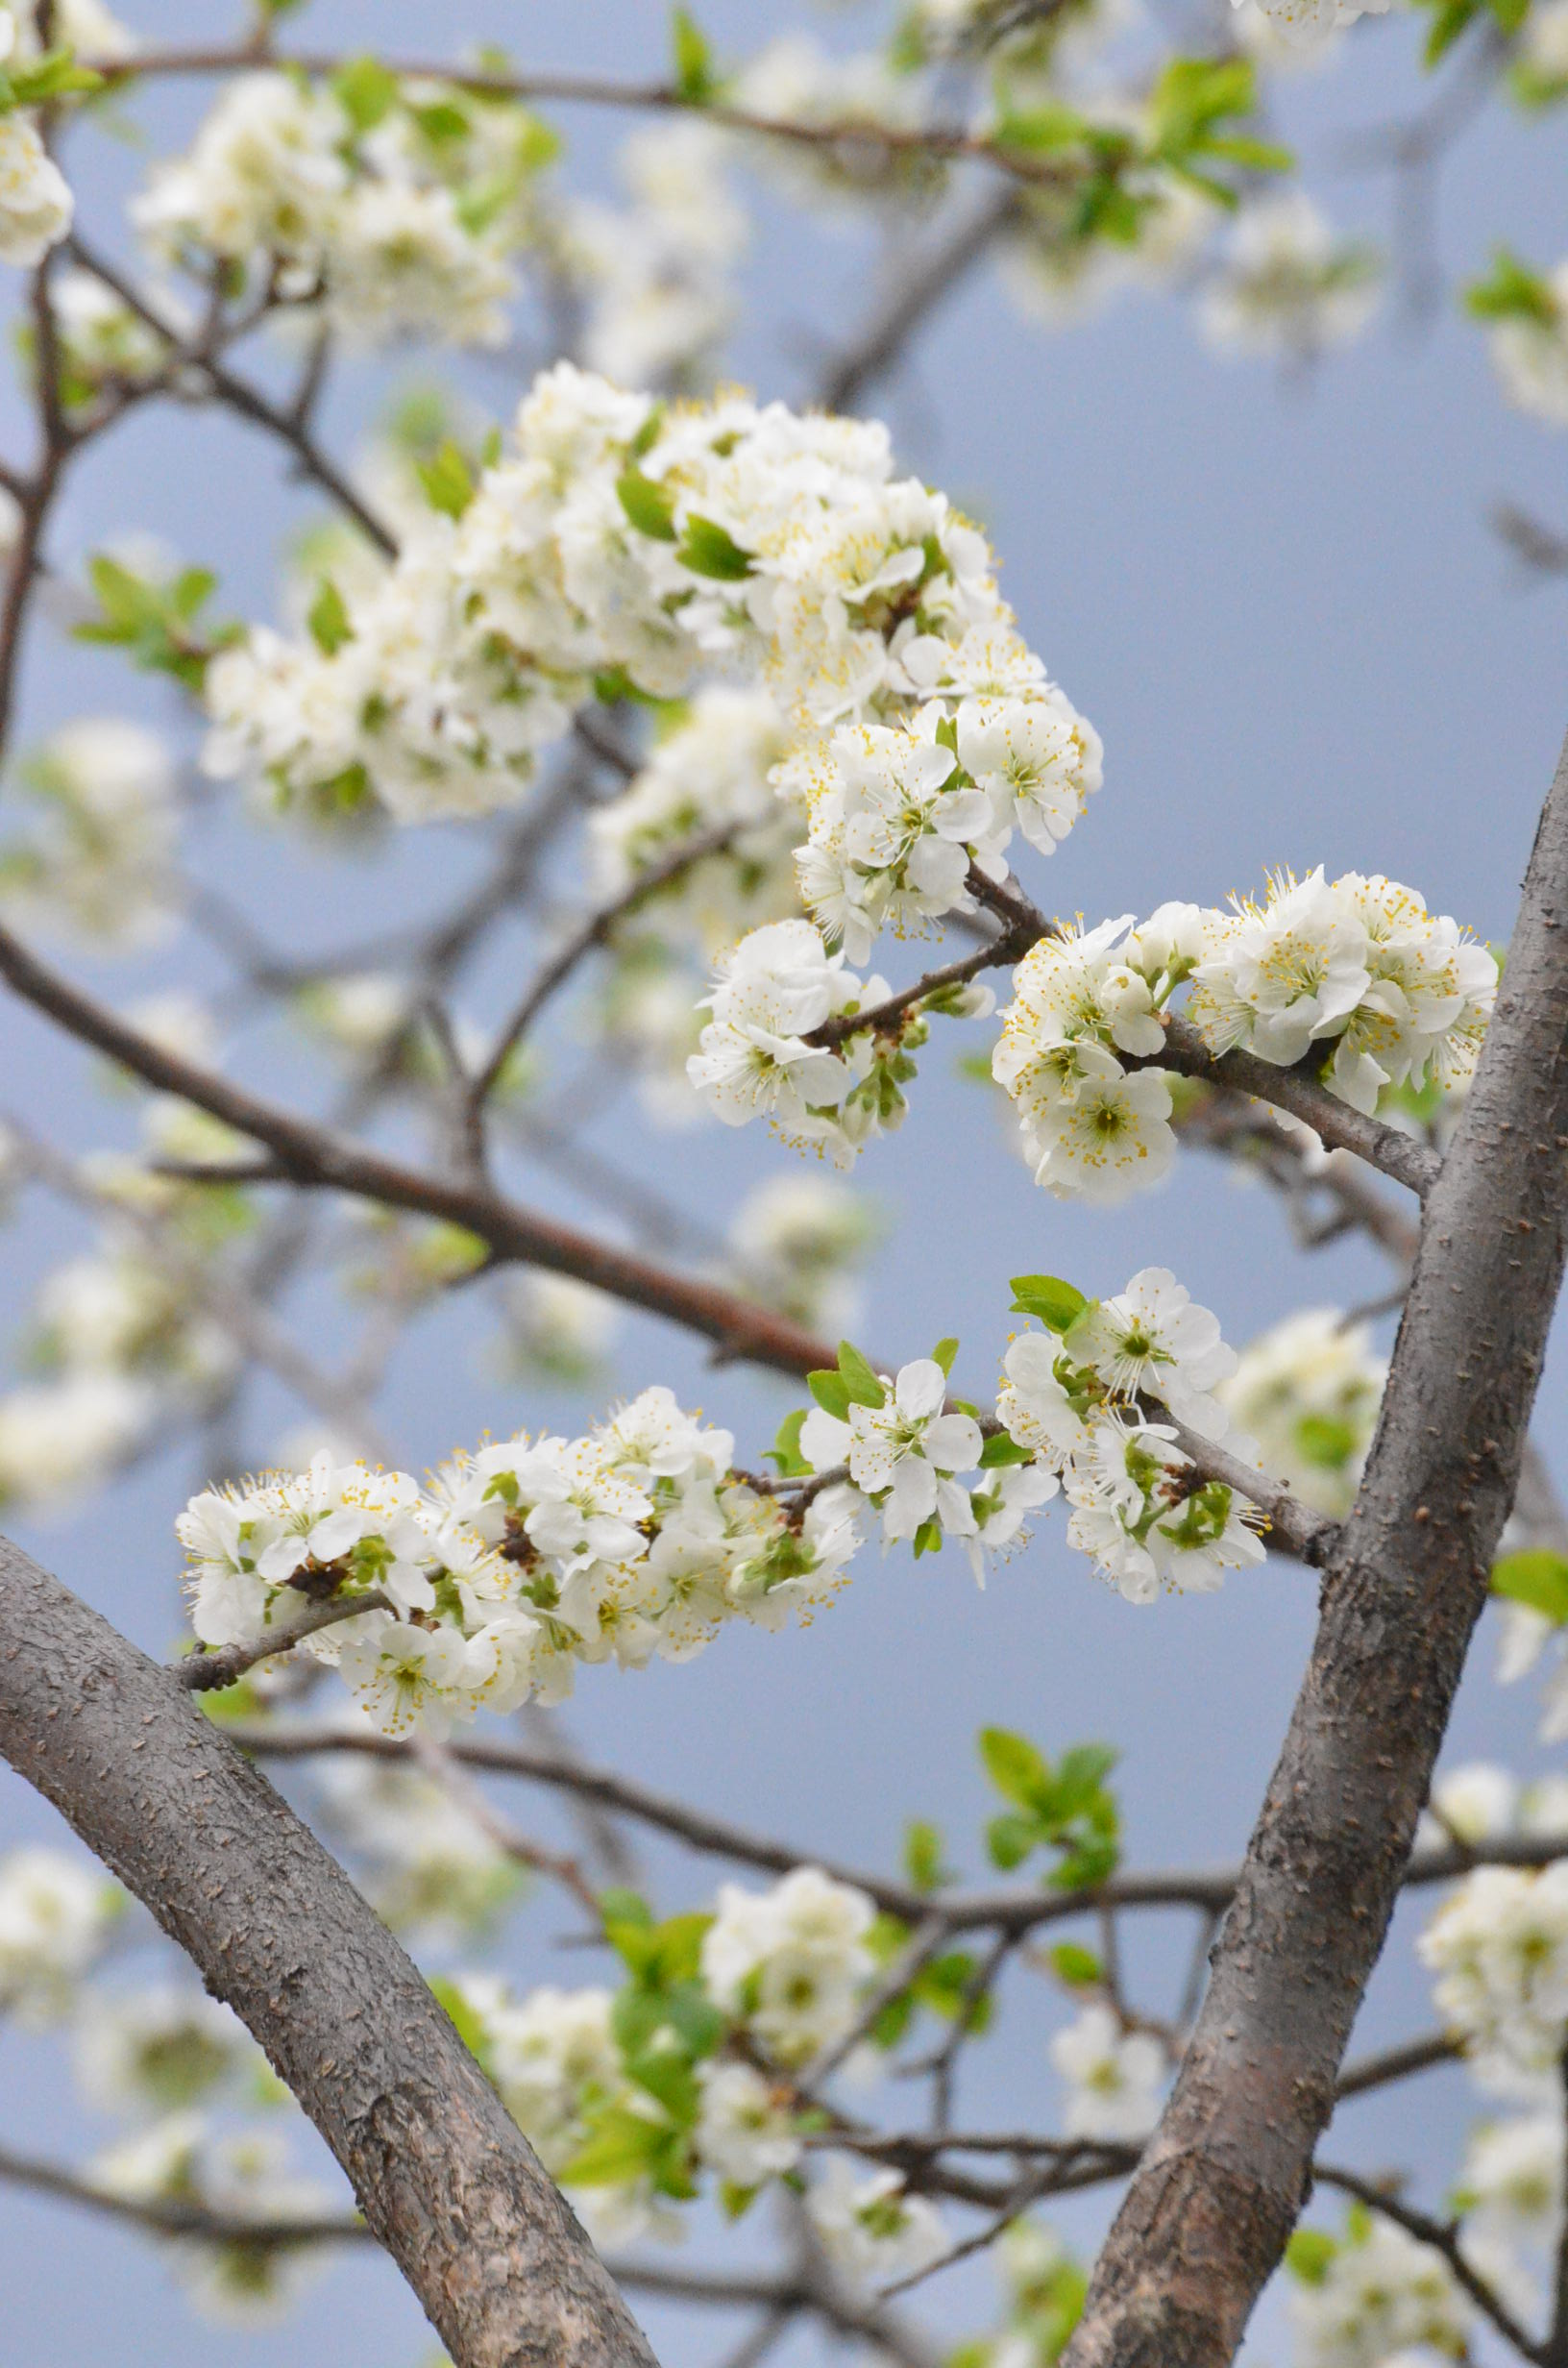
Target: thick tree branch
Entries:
(1207, 2217)
(442, 2175)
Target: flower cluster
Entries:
(518, 1563)
(656, 273)
(797, 1244)
(1115, 2078)
(618, 543)
(1307, 1391)
(789, 1962)
(98, 863)
(1498, 1948)
(692, 2068)
(775, 990)
(1373, 2297)
(707, 775)
(394, 205)
(1085, 1400)
(1355, 976)
(1286, 286)
(56, 1915)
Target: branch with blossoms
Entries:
(776, 683)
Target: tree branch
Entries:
(1208, 2214)
(315, 1157)
(206, 1672)
(442, 2175)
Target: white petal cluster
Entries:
(98, 862)
(872, 2230)
(745, 2133)
(1287, 286)
(1529, 350)
(1306, 23)
(1086, 1406)
(657, 273)
(1307, 1391)
(1498, 1947)
(615, 541)
(35, 202)
(755, 1058)
(708, 774)
(1115, 2078)
(1354, 975)
(791, 1962)
(1355, 965)
(517, 1564)
(56, 1914)
(160, 2050)
(797, 1244)
(237, 2176)
(904, 1453)
(397, 209)
(424, 1863)
(1380, 2293)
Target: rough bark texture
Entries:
(444, 2176)
(1219, 2190)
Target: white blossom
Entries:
(1113, 2077)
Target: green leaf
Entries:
(1040, 129)
(648, 505)
(1537, 1578)
(709, 548)
(366, 91)
(860, 1380)
(1080, 1775)
(1010, 1839)
(1018, 1771)
(785, 1450)
(1512, 292)
(648, 435)
(943, 1353)
(470, 2026)
(831, 1391)
(1077, 1966)
(999, 1451)
(925, 1863)
(927, 1539)
(1310, 2256)
(448, 480)
(1056, 1303)
(619, 1905)
(694, 78)
(329, 619)
(623, 2146)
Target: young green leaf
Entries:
(1056, 1303)
(831, 1391)
(1018, 1771)
(709, 548)
(859, 1377)
(646, 505)
(943, 1353)
(1538, 1577)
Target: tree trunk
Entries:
(442, 2175)
(1225, 2175)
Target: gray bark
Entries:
(1220, 2186)
(441, 2173)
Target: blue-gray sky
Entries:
(1286, 610)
